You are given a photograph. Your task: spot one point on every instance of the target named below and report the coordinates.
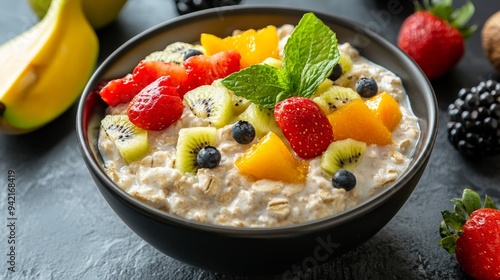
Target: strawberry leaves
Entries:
(456, 18)
(453, 221)
(309, 56)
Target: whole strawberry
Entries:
(304, 125)
(434, 36)
(474, 240)
(156, 106)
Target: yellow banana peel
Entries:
(45, 68)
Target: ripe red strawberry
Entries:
(434, 36)
(148, 71)
(157, 106)
(203, 70)
(304, 125)
(119, 90)
(475, 241)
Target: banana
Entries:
(45, 68)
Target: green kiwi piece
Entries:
(261, 119)
(333, 98)
(342, 154)
(214, 103)
(131, 141)
(174, 52)
(239, 104)
(345, 62)
(191, 141)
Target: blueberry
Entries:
(192, 52)
(243, 132)
(366, 87)
(343, 179)
(336, 72)
(208, 157)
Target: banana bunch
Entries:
(45, 68)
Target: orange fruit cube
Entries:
(386, 108)
(271, 159)
(355, 120)
(254, 46)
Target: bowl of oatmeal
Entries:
(235, 182)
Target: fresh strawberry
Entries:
(148, 71)
(434, 36)
(119, 90)
(203, 70)
(157, 106)
(475, 241)
(304, 125)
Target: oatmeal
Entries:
(224, 195)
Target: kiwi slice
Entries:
(131, 141)
(239, 104)
(174, 52)
(191, 141)
(342, 154)
(345, 62)
(261, 119)
(214, 103)
(333, 98)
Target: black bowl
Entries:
(257, 250)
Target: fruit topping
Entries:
(213, 103)
(366, 87)
(208, 157)
(243, 132)
(344, 179)
(192, 52)
(176, 53)
(355, 120)
(472, 233)
(434, 35)
(253, 45)
(342, 154)
(191, 141)
(147, 71)
(334, 97)
(203, 70)
(336, 72)
(261, 119)
(156, 107)
(474, 117)
(120, 90)
(304, 125)
(131, 141)
(386, 108)
(308, 58)
(271, 159)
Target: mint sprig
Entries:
(309, 56)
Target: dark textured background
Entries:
(65, 229)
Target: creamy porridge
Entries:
(225, 196)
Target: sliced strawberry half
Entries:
(157, 106)
(148, 71)
(120, 90)
(203, 70)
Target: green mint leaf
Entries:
(309, 56)
(259, 83)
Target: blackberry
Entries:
(474, 120)
(189, 6)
